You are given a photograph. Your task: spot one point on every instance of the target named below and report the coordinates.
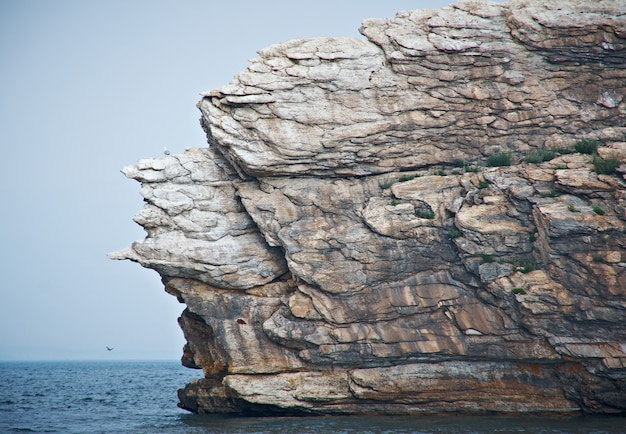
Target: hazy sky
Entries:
(87, 87)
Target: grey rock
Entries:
(342, 247)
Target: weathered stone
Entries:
(196, 226)
(342, 249)
(325, 122)
(233, 340)
(298, 391)
(478, 387)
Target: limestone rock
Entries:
(196, 226)
(349, 243)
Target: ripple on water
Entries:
(102, 397)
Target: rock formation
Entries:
(427, 220)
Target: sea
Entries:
(140, 397)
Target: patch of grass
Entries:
(597, 257)
(455, 233)
(551, 193)
(405, 178)
(488, 259)
(439, 172)
(532, 236)
(518, 291)
(572, 208)
(606, 166)
(483, 184)
(394, 201)
(424, 213)
(586, 146)
(540, 155)
(527, 265)
(386, 182)
(467, 167)
(598, 210)
(499, 159)
(565, 151)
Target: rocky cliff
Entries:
(429, 219)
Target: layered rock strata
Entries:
(343, 246)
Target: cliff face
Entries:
(344, 246)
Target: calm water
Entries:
(140, 397)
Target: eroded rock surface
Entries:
(342, 246)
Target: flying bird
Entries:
(166, 151)
(109, 348)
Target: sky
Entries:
(86, 88)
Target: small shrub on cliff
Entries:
(483, 184)
(565, 151)
(488, 259)
(551, 193)
(385, 183)
(606, 166)
(598, 210)
(405, 178)
(527, 265)
(467, 167)
(597, 257)
(498, 159)
(424, 213)
(540, 155)
(518, 291)
(572, 208)
(586, 146)
(455, 233)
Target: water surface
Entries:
(140, 397)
